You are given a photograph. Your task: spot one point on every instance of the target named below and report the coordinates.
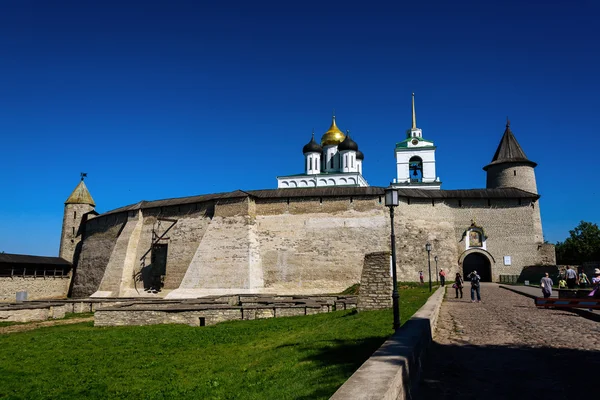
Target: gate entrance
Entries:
(480, 263)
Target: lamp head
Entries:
(391, 197)
(428, 247)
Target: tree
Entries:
(582, 245)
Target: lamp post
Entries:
(436, 270)
(428, 248)
(391, 201)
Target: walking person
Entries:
(442, 277)
(571, 276)
(475, 286)
(583, 279)
(546, 285)
(421, 277)
(458, 285)
(596, 284)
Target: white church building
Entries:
(337, 161)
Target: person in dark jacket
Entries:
(458, 285)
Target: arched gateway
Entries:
(477, 261)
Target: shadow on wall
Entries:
(505, 372)
(535, 273)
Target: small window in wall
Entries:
(352, 161)
(74, 214)
(73, 231)
(346, 160)
(332, 161)
(515, 172)
(379, 199)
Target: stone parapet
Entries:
(393, 371)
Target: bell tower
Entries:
(415, 159)
(77, 208)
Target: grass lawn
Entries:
(281, 358)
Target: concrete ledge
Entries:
(394, 369)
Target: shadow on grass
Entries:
(505, 372)
(337, 358)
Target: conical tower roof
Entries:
(81, 195)
(509, 150)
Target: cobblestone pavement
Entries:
(504, 347)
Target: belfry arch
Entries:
(477, 260)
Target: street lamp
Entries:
(428, 248)
(436, 269)
(391, 201)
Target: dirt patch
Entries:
(42, 324)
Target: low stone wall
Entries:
(36, 287)
(33, 312)
(375, 282)
(210, 311)
(393, 371)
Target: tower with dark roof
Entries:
(510, 167)
(77, 209)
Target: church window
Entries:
(346, 160)
(332, 161)
(415, 167)
(352, 161)
(311, 164)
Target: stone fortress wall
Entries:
(302, 241)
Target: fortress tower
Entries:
(77, 209)
(510, 166)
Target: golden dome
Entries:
(333, 135)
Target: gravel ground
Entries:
(505, 347)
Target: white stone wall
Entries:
(317, 245)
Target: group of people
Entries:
(570, 280)
(475, 285)
(459, 283)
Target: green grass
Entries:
(281, 358)
(67, 316)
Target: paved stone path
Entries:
(506, 348)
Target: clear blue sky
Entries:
(167, 99)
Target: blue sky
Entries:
(167, 99)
